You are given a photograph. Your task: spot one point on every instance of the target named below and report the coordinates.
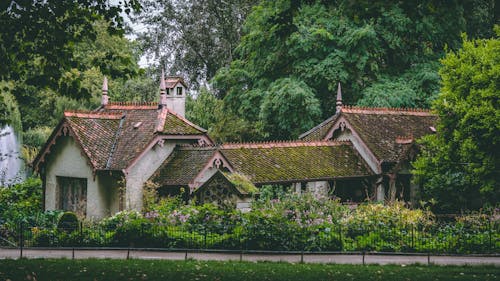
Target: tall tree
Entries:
(38, 39)
(459, 166)
(371, 47)
(105, 53)
(194, 38)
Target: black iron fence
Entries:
(442, 237)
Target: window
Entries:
(168, 91)
(179, 91)
(72, 195)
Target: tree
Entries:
(459, 166)
(194, 38)
(105, 54)
(289, 109)
(38, 41)
(371, 47)
(41, 35)
(222, 124)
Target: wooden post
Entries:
(21, 239)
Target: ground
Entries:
(92, 269)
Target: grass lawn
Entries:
(93, 269)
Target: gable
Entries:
(380, 129)
(93, 133)
(182, 166)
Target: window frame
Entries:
(77, 189)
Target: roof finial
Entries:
(338, 106)
(163, 91)
(105, 98)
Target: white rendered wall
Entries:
(318, 188)
(67, 160)
(141, 171)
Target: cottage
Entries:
(97, 163)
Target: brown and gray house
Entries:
(97, 163)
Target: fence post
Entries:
(489, 234)
(81, 233)
(21, 239)
(205, 237)
(412, 236)
(340, 238)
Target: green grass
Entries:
(93, 269)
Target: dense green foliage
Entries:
(459, 166)
(107, 269)
(39, 54)
(290, 223)
(384, 53)
(21, 202)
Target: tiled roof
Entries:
(140, 126)
(173, 124)
(385, 131)
(96, 134)
(137, 131)
(182, 166)
(171, 81)
(295, 161)
(116, 134)
(267, 162)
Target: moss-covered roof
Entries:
(261, 163)
(295, 161)
(241, 182)
(182, 166)
(176, 125)
(380, 128)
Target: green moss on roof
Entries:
(182, 166)
(287, 164)
(176, 126)
(379, 128)
(379, 131)
(241, 182)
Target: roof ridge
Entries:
(93, 114)
(196, 147)
(131, 105)
(389, 110)
(291, 143)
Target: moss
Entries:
(276, 164)
(242, 183)
(174, 125)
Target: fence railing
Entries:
(452, 238)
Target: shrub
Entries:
(21, 202)
(68, 222)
